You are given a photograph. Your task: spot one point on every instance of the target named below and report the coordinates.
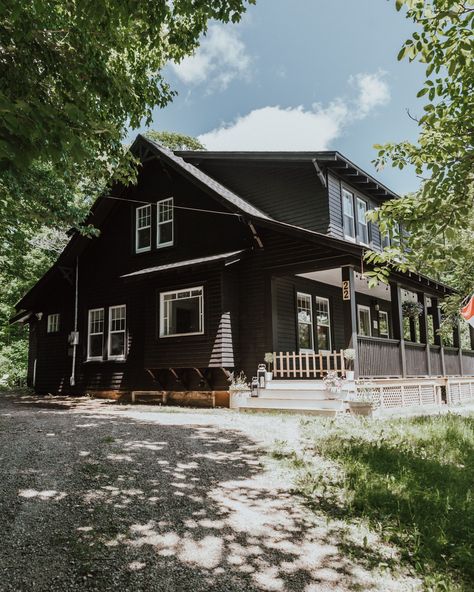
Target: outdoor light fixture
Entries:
(261, 371)
(254, 392)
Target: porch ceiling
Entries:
(333, 277)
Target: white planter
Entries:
(268, 376)
(238, 399)
(350, 375)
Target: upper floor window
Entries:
(117, 342)
(182, 312)
(53, 323)
(165, 222)
(323, 323)
(362, 224)
(143, 229)
(305, 322)
(95, 334)
(348, 214)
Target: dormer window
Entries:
(143, 229)
(362, 224)
(348, 214)
(165, 223)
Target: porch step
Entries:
(294, 402)
(302, 410)
(295, 385)
(310, 395)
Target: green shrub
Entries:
(14, 364)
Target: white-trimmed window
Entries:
(165, 222)
(95, 334)
(384, 327)
(348, 214)
(53, 323)
(323, 324)
(143, 229)
(117, 343)
(362, 224)
(364, 320)
(305, 322)
(182, 312)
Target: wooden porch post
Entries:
(397, 316)
(457, 343)
(350, 314)
(424, 337)
(471, 336)
(437, 337)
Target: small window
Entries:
(117, 340)
(182, 312)
(323, 324)
(348, 214)
(95, 339)
(363, 315)
(384, 328)
(305, 322)
(143, 229)
(53, 323)
(362, 224)
(164, 234)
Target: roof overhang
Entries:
(21, 317)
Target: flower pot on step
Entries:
(350, 375)
(364, 408)
(268, 376)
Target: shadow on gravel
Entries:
(106, 503)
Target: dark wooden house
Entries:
(213, 259)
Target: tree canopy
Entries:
(438, 218)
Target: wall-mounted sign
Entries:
(346, 290)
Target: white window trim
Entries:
(201, 311)
(143, 249)
(361, 307)
(311, 324)
(364, 222)
(348, 237)
(384, 313)
(89, 357)
(326, 300)
(52, 325)
(109, 334)
(158, 223)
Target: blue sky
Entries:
(301, 74)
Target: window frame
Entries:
(364, 307)
(161, 327)
(365, 222)
(89, 334)
(350, 195)
(384, 313)
(311, 323)
(148, 226)
(52, 322)
(109, 333)
(327, 301)
(158, 223)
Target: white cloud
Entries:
(220, 58)
(297, 128)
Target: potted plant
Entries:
(269, 360)
(363, 401)
(412, 310)
(333, 383)
(349, 356)
(239, 389)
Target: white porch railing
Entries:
(307, 364)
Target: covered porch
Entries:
(393, 328)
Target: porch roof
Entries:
(227, 258)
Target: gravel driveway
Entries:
(96, 496)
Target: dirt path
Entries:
(100, 497)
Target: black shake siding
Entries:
(291, 193)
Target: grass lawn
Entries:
(411, 480)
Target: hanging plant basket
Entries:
(412, 310)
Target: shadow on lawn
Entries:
(107, 503)
(418, 493)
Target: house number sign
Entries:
(346, 291)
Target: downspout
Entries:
(75, 339)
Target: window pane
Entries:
(305, 321)
(181, 313)
(324, 341)
(143, 238)
(348, 209)
(165, 233)
(304, 336)
(143, 228)
(95, 346)
(165, 222)
(383, 324)
(364, 322)
(117, 344)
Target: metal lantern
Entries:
(261, 371)
(254, 392)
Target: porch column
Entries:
(437, 337)
(397, 316)
(471, 336)
(457, 343)
(424, 337)
(350, 314)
